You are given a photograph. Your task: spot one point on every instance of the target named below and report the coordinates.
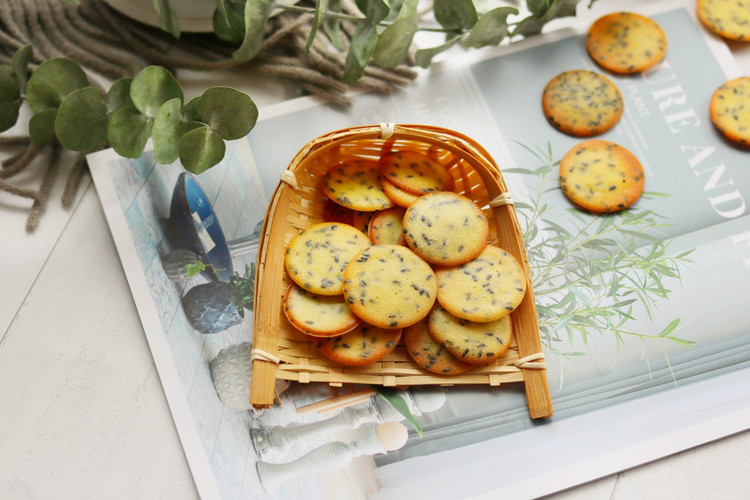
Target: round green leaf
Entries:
(119, 95)
(129, 129)
(201, 149)
(9, 114)
(152, 87)
(20, 63)
(167, 131)
(8, 83)
(229, 112)
(455, 14)
(53, 81)
(190, 110)
(230, 27)
(42, 126)
(81, 122)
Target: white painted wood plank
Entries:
(83, 413)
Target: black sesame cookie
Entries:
(415, 172)
(361, 220)
(315, 259)
(333, 212)
(730, 109)
(469, 341)
(626, 43)
(364, 345)
(318, 315)
(601, 176)
(727, 18)
(484, 289)
(389, 286)
(399, 196)
(387, 228)
(431, 355)
(445, 228)
(356, 185)
(582, 103)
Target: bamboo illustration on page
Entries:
(589, 277)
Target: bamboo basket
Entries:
(282, 352)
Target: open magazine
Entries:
(642, 313)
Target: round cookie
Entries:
(429, 354)
(356, 185)
(445, 228)
(318, 315)
(468, 341)
(333, 212)
(582, 103)
(727, 18)
(730, 109)
(485, 289)
(315, 259)
(361, 220)
(364, 345)
(386, 227)
(389, 286)
(626, 43)
(399, 196)
(415, 173)
(601, 176)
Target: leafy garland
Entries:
(384, 30)
(83, 117)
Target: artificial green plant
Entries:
(68, 108)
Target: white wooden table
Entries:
(82, 411)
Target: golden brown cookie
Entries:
(445, 228)
(333, 212)
(626, 43)
(727, 18)
(389, 286)
(484, 289)
(364, 345)
(387, 228)
(601, 176)
(399, 196)
(582, 103)
(361, 220)
(315, 259)
(431, 355)
(356, 185)
(730, 109)
(318, 315)
(416, 173)
(468, 341)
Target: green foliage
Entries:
(256, 16)
(82, 118)
(393, 398)
(243, 287)
(167, 17)
(590, 271)
(10, 97)
(394, 42)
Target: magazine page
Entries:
(628, 303)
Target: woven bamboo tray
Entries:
(282, 352)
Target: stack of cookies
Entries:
(401, 257)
